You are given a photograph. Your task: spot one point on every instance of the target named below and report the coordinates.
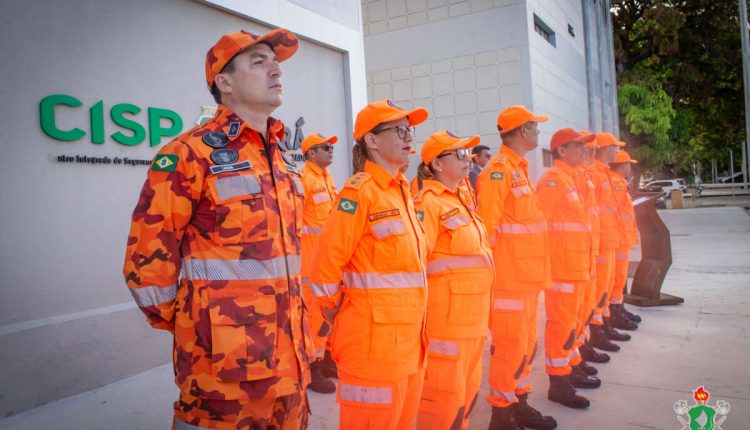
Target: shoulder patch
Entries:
(357, 180)
(497, 176)
(449, 214)
(551, 183)
(165, 162)
(348, 206)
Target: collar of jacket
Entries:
(436, 187)
(514, 158)
(225, 117)
(565, 167)
(309, 165)
(382, 177)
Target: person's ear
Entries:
(223, 83)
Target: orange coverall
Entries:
(570, 255)
(320, 192)
(517, 231)
(626, 213)
(587, 189)
(213, 257)
(609, 239)
(459, 281)
(370, 282)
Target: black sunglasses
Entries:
(461, 154)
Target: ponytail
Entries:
(359, 156)
(424, 171)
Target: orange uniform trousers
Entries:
(285, 412)
(563, 302)
(622, 259)
(318, 326)
(513, 324)
(605, 278)
(586, 311)
(451, 386)
(367, 404)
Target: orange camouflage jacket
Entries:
(213, 257)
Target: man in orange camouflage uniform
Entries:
(213, 250)
(508, 204)
(320, 192)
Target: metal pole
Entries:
(587, 42)
(731, 174)
(612, 69)
(745, 76)
(744, 168)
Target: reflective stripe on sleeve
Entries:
(562, 287)
(240, 270)
(308, 229)
(384, 280)
(511, 228)
(324, 290)
(443, 347)
(576, 227)
(519, 191)
(509, 304)
(459, 262)
(362, 394)
(153, 295)
(456, 221)
(321, 197)
(387, 228)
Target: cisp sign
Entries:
(122, 114)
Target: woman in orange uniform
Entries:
(369, 278)
(459, 279)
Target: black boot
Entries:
(319, 383)
(631, 316)
(329, 368)
(619, 320)
(587, 368)
(580, 379)
(613, 334)
(530, 418)
(503, 419)
(590, 354)
(599, 339)
(562, 391)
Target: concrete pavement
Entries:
(705, 341)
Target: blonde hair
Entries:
(359, 156)
(424, 171)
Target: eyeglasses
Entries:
(461, 154)
(400, 130)
(327, 147)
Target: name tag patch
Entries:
(242, 165)
(384, 214)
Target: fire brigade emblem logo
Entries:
(702, 416)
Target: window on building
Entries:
(544, 30)
(547, 159)
(571, 30)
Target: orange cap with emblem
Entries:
(623, 157)
(283, 42)
(607, 139)
(385, 111)
(442, 141)
(316, 139)
(516, 116)
(567, 135)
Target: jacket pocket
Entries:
(396, 334)
(391, 245)
(469, 304)
(240, 209)
(461, 234)
(243, 337)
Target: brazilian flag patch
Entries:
(498, 176)
(348, 206)
(165, 163)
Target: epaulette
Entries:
(356, 181)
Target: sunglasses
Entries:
(400, 131)
(327, 147)
(461, 154)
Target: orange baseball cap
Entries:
(444, 140)
(566, 135)
(316, 139)
(591, 143)
(516, 116)
(623, 157)
(607, 139)
(385, 111)
(283, 42)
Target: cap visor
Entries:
(416, 116)
(332, 140)
(540, 118)
(283, 42)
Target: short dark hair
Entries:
(512, 132)
(228, 68)
(479, 148)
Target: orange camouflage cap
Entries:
(316, 139)
(623, 157)
(516, 116)
(607, 139)
(567, 135)
(283, 42)
(385, 111)
(442, 141)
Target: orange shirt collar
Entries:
(435, 186)
(599, 165)
(567, 168)
(382, 177)
(315, 168)
(225, 117)
(513, 156)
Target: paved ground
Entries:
(705, 341)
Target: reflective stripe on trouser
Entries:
(605, 276)
(371, 404)
(562, 303)
(451, 385)
(319, 328)
(514, 334)
(286, 412)
(622, 259)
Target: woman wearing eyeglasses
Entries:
(459, 279)
(369, 277)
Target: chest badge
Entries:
(224, 156)
(216, 139)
